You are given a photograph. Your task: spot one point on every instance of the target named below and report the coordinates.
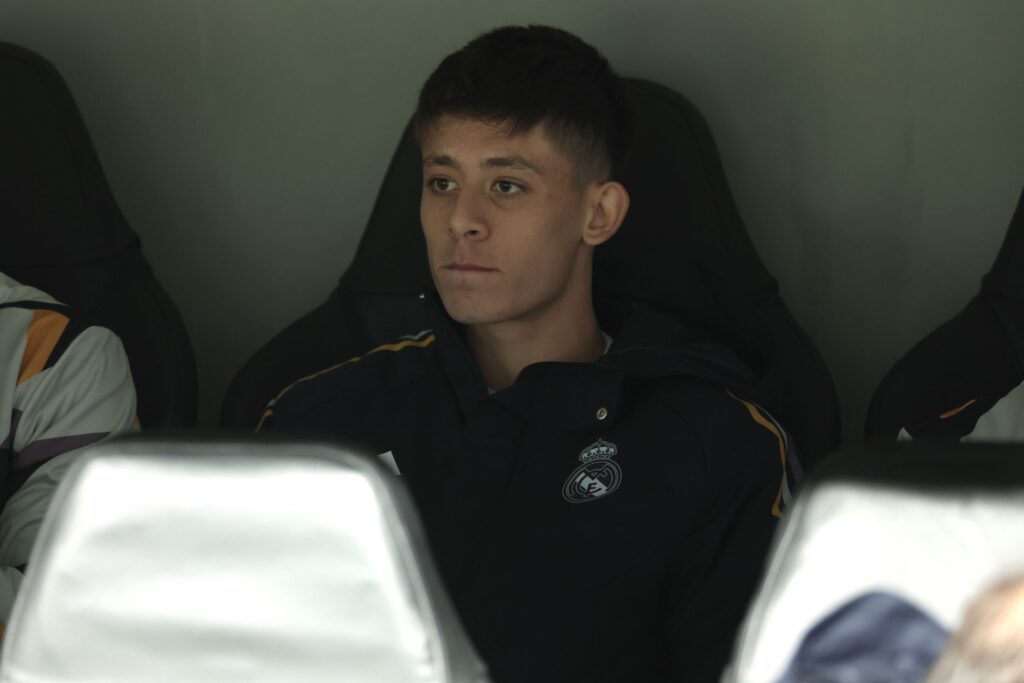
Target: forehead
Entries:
(475, 141)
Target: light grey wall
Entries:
(875, 147)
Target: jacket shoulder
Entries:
(377, 370)
(738, 438)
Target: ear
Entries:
(609, 203)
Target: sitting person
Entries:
(1003, 422)
(599, 501)
(993, 419)
(63, 385)
(965, 380)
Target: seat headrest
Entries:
(930, 523)
(206, 562)
(56, 206)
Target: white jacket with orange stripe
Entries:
(63, 385)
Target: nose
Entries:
(468, 218)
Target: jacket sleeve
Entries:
(749, 465)
(80, 398)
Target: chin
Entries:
(465, 311)
(466, 315)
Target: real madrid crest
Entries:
(598, 476)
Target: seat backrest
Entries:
(212, 562)
(930, 523)
(952, 377)
(64, 234)
(683, 248)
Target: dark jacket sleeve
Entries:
(343, 403)
(719, 565)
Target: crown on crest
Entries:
(599, 450)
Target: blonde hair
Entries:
(988, 646)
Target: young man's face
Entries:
(503, 221)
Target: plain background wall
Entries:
(875, 147)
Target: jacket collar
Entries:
(649, 344)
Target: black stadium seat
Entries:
(63, 233)
(950, 379)
(683, 249)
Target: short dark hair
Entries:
(530, 75)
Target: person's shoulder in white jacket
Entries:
(64, 384)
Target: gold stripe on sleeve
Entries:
(760, 419)
(398, 346)
(957, 411)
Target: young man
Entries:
(599, 509)
(64, 385)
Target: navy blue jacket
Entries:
(592, 522)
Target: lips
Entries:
(469, 268)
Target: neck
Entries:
(567, 332)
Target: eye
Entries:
(442, 185)
(508, 188)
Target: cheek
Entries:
(428, 213)
(547, 260)
(433, 224)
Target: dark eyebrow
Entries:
(516, 162)
(440, 160)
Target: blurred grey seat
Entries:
(931, 523)
(203, 562)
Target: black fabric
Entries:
(56, 206)
(1007, 275)
(683, 248)
(38, 305)
(977, 356)
(646, 581)
(1004, 284)
(64, 234)
(76, 325)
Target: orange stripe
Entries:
(43, 334)
(384, 347)
(767, 424)
(957, 411)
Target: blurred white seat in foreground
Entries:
(214, 562)
(933, 523)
